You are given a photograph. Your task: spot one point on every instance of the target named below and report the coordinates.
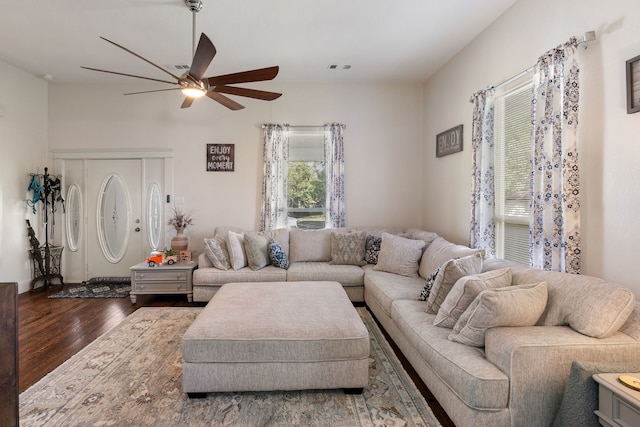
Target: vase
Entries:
(180, 242)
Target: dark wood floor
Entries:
(51, 330)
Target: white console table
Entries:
(618, 405)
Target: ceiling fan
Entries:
(194, 85)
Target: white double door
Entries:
(122, 214)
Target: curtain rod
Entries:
(587, 37)
(308, 126)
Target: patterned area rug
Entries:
(132, 375)
(97, 287)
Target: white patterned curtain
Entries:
(274, 182)
(334, 161)
(483, 192)
(555, 232)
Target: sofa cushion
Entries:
(590, 305)
(441, 251)
(255, 246)
(418, 234)
(323, 271)
(448, 275)
(235, 246)
(465, 290)
(510, 306)
(216, 251)
(387, 287)
(277, 255)
(213, 276)
(372, 249)
(399, 255)
(310, 245)
(348, 248)
(464, 369)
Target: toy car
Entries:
(157, 258)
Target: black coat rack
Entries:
(46, 258)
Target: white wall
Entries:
(23, 143)
(609, 146)
(383, 135)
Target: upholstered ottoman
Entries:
(276, 336)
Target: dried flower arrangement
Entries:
(180, 220)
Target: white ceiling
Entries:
(383, 40)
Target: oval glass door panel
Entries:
(74, 217)
(154, 210)
(113, 218)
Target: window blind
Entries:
(513, 149)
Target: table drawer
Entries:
(159, 276)
(159, 287)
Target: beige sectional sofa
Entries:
(504, 337)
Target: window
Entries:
(513, 150)
(306, 190)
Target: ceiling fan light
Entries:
(193, 92)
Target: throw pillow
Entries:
(216, 251)
(277, 255)
(465, 290)
(399, 255)
(348, 248)
(520, 305)
(235, 246)
(372, 249)
(428, 284)
(441, 251)
(448, 275)
(255, 246)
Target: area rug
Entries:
(97, 287)
(132, 375)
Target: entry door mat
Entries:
(98, 287)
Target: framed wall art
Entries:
(633, 85)
(221, 157)
(449, 141)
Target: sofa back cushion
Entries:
(632, 326)
(590, 305)
(311, 245)
(399, 255)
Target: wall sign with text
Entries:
(220, 157)
(449, 141)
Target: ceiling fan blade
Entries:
(249, 93)
(227, 102)
(188, 100)
(151, 91)
(144, 59)
(129, 75)
(202, 58)
(257, 75)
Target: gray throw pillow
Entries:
(448, 275)
(520, 305)
(348, 248)
(465, 290)
(255, 246)
(216, 251)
